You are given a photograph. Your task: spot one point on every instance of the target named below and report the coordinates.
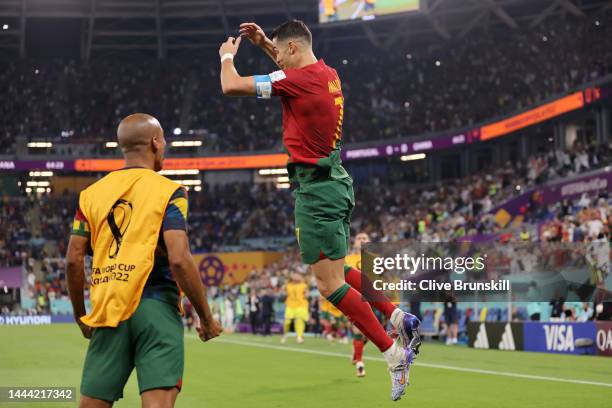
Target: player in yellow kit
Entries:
(370, 6)
(330, 11)
(333, 321)
(296, 307)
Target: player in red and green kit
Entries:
(313, 109)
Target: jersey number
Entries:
(339, 101)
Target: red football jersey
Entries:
(313, 110)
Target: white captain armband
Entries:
(263, 86)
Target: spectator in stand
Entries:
(584, 313)
(267, 311)
(451, 318)
(254, 309)
(557, 313)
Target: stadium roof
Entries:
(167, 26)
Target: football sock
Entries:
(326, 328)
(348, 301)
(378, 301)
(287, 325)
(358, 348)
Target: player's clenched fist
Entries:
(230, 46)
(253, 32)
(86, 330)
(210, 330)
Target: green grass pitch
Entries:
(242, 370)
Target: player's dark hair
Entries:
(293, 29)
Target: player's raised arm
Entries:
(186, 274)
(232, 83)
(258, 37)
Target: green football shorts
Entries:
(324, 201)
(151, 340)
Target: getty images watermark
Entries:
(411, 265)
(486, 271)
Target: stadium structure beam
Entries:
(10, 8)
(13, 37)
(454, 18)
(22, 25)
(367, 30)
(439, 28)
(544, 14)
(126, 14)
(394, 36)
(12, 33)
(125, 46)
(161, 52)
(472, 24)
(571, 7)
(223, 12)
(502, 14)
(605, 6)
(127, 33)
(126, 4)
(428, 7)
(288, 9)
(186, 3)
(183, 33)
(198, 45)
(90, 28)
(182, 18)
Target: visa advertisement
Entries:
(561, 337)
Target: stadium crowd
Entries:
(456, 208)
(223, 215)
(14, 234)
(416, 89)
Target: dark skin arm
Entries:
(75, 274)
(187, 276)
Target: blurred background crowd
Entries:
(418, 89)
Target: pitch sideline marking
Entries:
(426, 365)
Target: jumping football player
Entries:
(313, 110)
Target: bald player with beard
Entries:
(133, 223)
